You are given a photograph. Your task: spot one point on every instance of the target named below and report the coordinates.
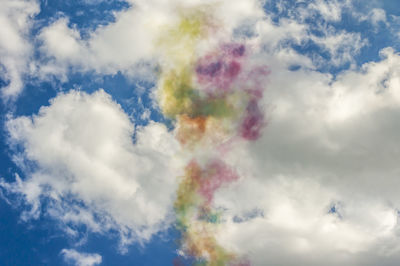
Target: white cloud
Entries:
(89, 170)
(15, 48)
(377, 15)
(340, 45)
(321, 186)
(130, 43)
(80, 258)
(372, 88)
(330, 10)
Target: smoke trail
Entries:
(213, 96)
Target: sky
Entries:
(200, 132)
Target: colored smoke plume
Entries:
(213, 97)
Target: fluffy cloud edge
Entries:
(89, 171)
(16, 18)
(76, 258)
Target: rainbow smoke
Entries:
(213, 96)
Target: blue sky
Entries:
(323, 177)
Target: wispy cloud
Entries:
(16, 19)
(80, 258)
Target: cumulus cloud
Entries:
(88, 170)
(15, 48)
(129, 44)
(321, 186)
(80, 258)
